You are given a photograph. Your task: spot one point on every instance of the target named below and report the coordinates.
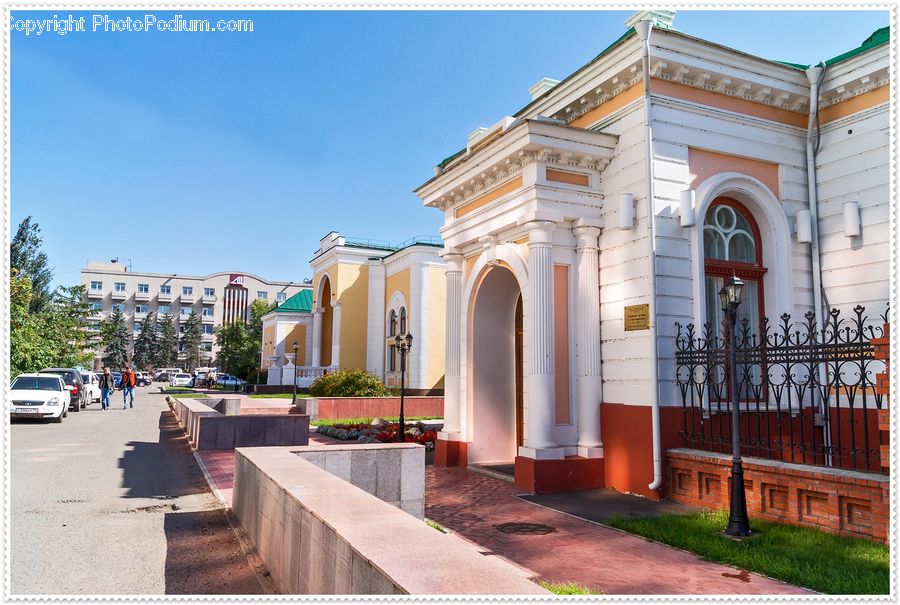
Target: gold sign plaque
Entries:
(637, 317)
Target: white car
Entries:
(91, 386)
(180, 380)
(39, 396)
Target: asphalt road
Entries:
(113, 503)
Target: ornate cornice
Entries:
(854, 88)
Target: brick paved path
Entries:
(592, 555)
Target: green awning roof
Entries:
(301, 302)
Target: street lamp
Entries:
(738, 523)
(403, 346)
(296, 347)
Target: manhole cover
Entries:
(525, 529)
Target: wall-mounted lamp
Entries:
(804, 227)
(626, 211)
(686, 208)
(852, 225)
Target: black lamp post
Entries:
(403, 346)
(738, 523)
(296, 348)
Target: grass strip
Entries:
(802, 556)
(279, 396)
(367, 420)
(566, 588)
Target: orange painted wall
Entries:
(561, 340)
(704, 164)
(627, 437)
(489, 197)
(857, 103)
(617, 102)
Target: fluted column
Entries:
(541, 367)
(317, 338)
(589, 386)
(452, 360)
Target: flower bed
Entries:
(419, 432)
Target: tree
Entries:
(145, 344)
(26, 257)
(114, 340)
(25, 354)
(64, 326)
(167, 337)
(190, 340)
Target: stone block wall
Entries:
(395, 475)
(373, 407)
(845, 502)
(208, 429)
(319, 534)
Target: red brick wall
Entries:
(837, 501)
(373, 407)
(883, 384)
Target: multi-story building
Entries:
(217, 299)
(582, 230)
(365, 294)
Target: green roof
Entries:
(301, 302)
(878, 37)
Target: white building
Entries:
(579, 230)
(217, 299)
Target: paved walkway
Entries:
(113, 503)
(471, 505)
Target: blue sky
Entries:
(202, 152)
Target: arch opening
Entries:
(327, 321)
(496, 361)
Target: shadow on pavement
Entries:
(600, 505)
(165, 469)
(203, 556)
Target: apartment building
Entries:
(217, 298)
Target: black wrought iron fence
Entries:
(805, 395)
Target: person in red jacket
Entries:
(127, 384)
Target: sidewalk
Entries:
(472, 505)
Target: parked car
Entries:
(72, 378)
(166, 373)
(91, 385)
(229, 381)
(161, 376)
(39, 396)
(181, 380)
(117, 377)
(142, 379)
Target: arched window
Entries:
(402, 321)
(392, 323)
(732, 245)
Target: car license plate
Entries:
(27, 410)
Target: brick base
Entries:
(450, 453)
(568, 475)
(850, 503)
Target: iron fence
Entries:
(805, 395)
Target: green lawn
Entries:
(334, 421)
(798, 555)
(566, 588)
(192, 395)
(279, 396)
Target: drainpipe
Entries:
(815, 76)
(643, 29)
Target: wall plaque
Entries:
(637, 317)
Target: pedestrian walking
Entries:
(211, 379)
(107, 386)
(128, 382)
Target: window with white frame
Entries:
(281, 296)
(120, 307)
(143, 288)
(120, 286)
(185, 311)
(141, 308)
(206, 329)
(262, 295)
(96, 306)
(165, 289)
(163, 309)
(96, 285)
(187, 290)
(208, 311)
(209, 291)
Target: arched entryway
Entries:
(495, 354)
(327, 321)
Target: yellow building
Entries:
(365, 293)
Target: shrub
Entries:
(348, 383)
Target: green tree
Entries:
(114, 340)
(26, 257)
(145, 343)
(233, 341)
(167, 338)
(64, 327)
(190, 340)
(25, 351)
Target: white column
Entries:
(452, 337)
(541, 378)
(317, 338)
(336, 337)
(375, 332)
(274, 374)
(589, 385)
(289, 371)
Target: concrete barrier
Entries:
(209, 429)
(319, 534)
